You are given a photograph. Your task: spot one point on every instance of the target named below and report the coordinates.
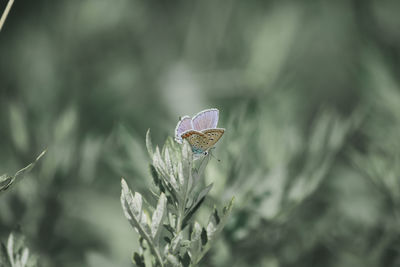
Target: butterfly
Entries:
(200, 131)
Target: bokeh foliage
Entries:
(308, 91)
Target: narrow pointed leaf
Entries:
(168, 162)
(169, 228)
(7, 181)
(158, 217)
(138, 259)
(204, 237)
(173, 260)
(200, 170)
(154, 174)
(196, 240)
(24, 256)
(199, 200)
(186, 260)
(181, 174)
(132, 206)
(176, 242)
(217, 223)
(10, 249)
(149, 144)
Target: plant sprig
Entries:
(7, 181)
(176, 176)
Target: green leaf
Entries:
(158, 217)
(199, 200)
(204, 237)
(214, 227)
(149, 144)
(200, 169)
(173, 260)
(187, 163)
(10, 249)
(3, 255)
(169, 228)
(216, 224)
(132, 207)
(139, 260)
(196, 232)
(168, 162)
(155, 176)
(175, 243)
(196, 240)
(186, 260)
(7, 181)
(24, 257)
(169, 180)
(181, 175)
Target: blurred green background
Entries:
(308, 91)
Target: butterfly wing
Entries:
(203, 141)
(213, 135)
(197, 140)
(184, 125)
(206, 119)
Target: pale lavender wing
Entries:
(185, 124)
(206, 119)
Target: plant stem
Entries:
(5, 13)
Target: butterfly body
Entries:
(200, 132)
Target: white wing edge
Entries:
(178, 138)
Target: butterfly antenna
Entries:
(211, 154)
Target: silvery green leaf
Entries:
(174, 183)
(195, 206)
(187, 157)
(212, 225)
(157, 160)
(195, 240)
(175, 243)
(196, 232)
(187, 154)
(171, 218)
(189, 184)
(203, 193)
(197, 173)
(181, 175)
(132, 207)
(7, 181)
(24, 256)
(158, 217)
(185, 244)
(10, 249)
(166, 248)
(186, 260)
(169, 228)
(155, 176)
(149, 144)
(173, 260)
(204, 237)
(168, 162)
(216, 223)
(139, 260)
(167, 182)
(4, 255)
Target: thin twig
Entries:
(5, 13)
